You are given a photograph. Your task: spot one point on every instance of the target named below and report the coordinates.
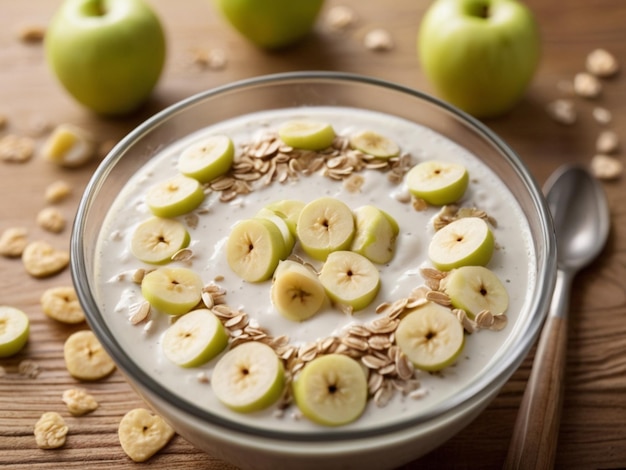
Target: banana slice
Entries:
(476, 288)
(376, 233)
(157, 239)
(288, 209)
(374, 144)
(14, 330)
(282, 225)
(297, 293)
(208, 159)
(85, 358)
(254, 248)
(176, 196)
(195, 338)
(249, 377)
(438, 183)
(465, 242)
(431, 337)
(307, 134)
(61, 304)
(350, 279)
(142, 434)
(331, 390)
(325, 225)
(172, 290)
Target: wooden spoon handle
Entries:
(533, 445)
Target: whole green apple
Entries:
(108, 54)
(271, 24)
(479, 54)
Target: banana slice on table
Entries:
(85, 358)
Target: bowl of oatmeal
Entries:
(314, 269)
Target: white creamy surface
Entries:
(512, 261)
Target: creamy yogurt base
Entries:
(513, 262)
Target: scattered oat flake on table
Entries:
(605, 167)
(50, 431)
(79, 402)
(340, 17)
(16, 149)
(28, 368)
(602, 115)
(13, 241)
(31, 33)
(587, 85)
(562, 111)
(40, 259)
(378, 40)
(3, 121)
(602, 63)
(607, 142)
(51, 219)
(57, 191)
(142, 434)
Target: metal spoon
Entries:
(581, 220)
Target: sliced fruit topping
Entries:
(474, 289)
(331, 390)
(288, 209)
(375, 144)
(14, 330)
(438, 183)
(325, 225)
(350, 279)
(172, 290)
(195, 338)
(297, 293)
(176, 196)
(85, 358)
(282, 225)
(376, 233)
(207, 159)
(307, 134)
(157, 239)
(249, 377)
(431, 337)
(465, 242)
(254, 248)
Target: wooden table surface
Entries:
(593, 429)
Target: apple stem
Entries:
(484, 12)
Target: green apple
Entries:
(14, 330)
(195, 338)
(108, 54)
(271, 24)
(480, 55)
(376, 233)
(288, 209)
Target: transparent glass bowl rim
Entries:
(503, 369)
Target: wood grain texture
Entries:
(592, 432)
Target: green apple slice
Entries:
(297, 293)
(464, 242)
(331, 390)
(249, 377)
(307, 134)
(325, 225)
(282, 225)
(474, 289)
(288, 209)
(438, 183)
(14, 330)
(431, 337)
(195, 338)
(254, 248)
(157, 239)
(208, 159)
(376, 233)
(176, 196)
(374, 144)
(172, 290)
(350, 279)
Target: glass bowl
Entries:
(376, 447)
